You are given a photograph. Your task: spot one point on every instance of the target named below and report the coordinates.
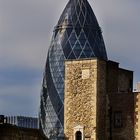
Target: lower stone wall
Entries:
(124, 104)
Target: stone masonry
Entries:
(137, 115)
(121, 100)
(98, 101)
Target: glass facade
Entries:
(77, 35)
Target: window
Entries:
(130, 85)
(118, 122)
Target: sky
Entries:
(26, 28)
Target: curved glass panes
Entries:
(77, 35)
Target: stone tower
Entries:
(85, 99)
(98, 101)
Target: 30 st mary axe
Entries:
(77, 35)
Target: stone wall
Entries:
(118, 80)
(112, 77)
(125, 81)
(137, 115)
(101, 96)
(85, 90)
(123, 104)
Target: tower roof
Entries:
(78, 13)
(79, 31)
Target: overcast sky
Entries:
(25, 32)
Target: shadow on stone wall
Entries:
(10, 132)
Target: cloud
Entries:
(25, 33)
(19, 76)
(24, 53)
(20, 100)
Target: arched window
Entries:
(78, 135)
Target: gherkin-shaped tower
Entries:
(77, 35)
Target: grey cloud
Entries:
(25, 32)
(24, 53)
(21, 100)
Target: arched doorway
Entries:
(78, 135)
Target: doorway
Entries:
(78, 135)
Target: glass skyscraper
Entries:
(77, 35)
